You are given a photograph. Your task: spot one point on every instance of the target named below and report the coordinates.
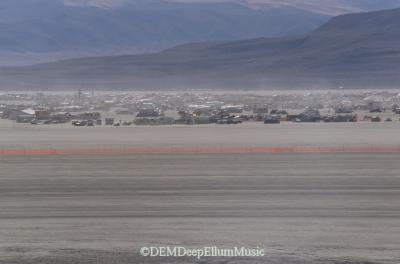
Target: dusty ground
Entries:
(247, 134)
(302, 208)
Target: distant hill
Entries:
(354, 51)
(33, 31)
(326, 7)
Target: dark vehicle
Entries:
(228, 121)
(272, 120)
(278, 112)
(376, 110)
(109, 121)
(375, 119)
(245, 117)
(344, 110)
(340, 118)
(309, 116)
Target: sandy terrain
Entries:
(301, 208)
(20, 136)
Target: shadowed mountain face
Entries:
(327, 7)
(33, 31)
(354, 51)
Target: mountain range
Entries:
(354, 51)
(33, 31)
(327, 7)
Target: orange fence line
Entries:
(200, 150)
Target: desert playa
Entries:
(300, 207)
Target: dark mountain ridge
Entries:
(354, 51)
(33, 31)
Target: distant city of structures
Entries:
(126, 109)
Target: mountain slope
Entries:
(355, 51)
(33, 31)
(326, 7)
(43, 30)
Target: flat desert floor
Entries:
(299, 207)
